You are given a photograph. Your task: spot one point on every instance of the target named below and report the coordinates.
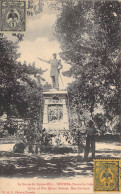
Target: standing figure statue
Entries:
(56, 66)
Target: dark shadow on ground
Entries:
(19, 165)
(53, 165)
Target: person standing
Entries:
(90, 140)
(56, 66)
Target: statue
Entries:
(56, 66)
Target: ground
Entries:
(51, 165)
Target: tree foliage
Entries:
(20, 91)
(34, 7)
(18, 88)
(89, 35)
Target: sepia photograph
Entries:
(60, 96)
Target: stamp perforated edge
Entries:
(24, 15)
(106, 159)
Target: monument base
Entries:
(61, 138)
(55, 116)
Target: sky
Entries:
(40, 42)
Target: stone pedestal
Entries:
(55, 116)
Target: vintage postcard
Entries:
(60, 96)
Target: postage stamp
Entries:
(107, 175)
(13, 16)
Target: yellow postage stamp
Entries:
(107, 175)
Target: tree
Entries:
(47, 86)
(89, 35)
(34, 7)
(8, 73)
(86, 33)
(20, 88)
